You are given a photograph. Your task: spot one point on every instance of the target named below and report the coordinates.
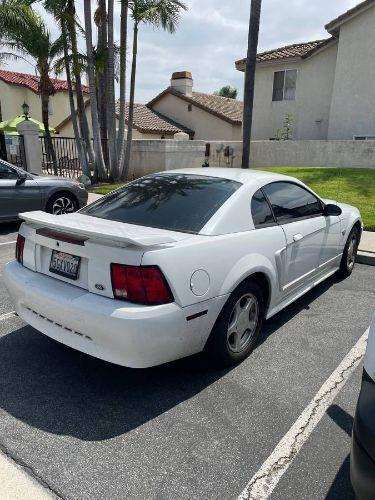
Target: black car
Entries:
(362, 461)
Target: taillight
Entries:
(19, 248)
(140, 284)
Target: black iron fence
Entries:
(16, 152)
(67, 157)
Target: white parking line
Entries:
(7, 315)
(265, 480)
(8, 243)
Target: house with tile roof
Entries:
(180, 109)
(147, 124)
(17, 88)
(327, 85)
(212, 118)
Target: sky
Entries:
(212, 35)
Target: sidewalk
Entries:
(366, 251)
(16, 484)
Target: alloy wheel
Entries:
(352, 252)
(243, 323)
(63, 205)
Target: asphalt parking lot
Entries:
(90, 430)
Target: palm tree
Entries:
(99, 160)
(81, 152)
(111, 105)
(100, 18)
(71, 23)
(123, 49)
(60, 11)
(158, 13)
(248, 104)
(24, 32)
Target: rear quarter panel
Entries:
(227, 259)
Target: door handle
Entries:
(297, 237)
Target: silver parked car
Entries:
(21, 191)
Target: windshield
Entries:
(177, 202)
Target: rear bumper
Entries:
(122, 333)
(362, 460)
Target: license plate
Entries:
(65, 264)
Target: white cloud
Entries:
(213, 34)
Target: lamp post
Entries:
(25, 109)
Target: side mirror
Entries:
(21, 178)
(331, 209)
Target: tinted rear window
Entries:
(176, 202)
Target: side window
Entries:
(284, 85)
(290, 201)
(7, 173)
(260, 210)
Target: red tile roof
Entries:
(297, 50)
(349, 13)
(229, 110)
(32, 81)
(148, 121)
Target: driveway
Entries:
(90, 430)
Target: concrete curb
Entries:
(367, 258)
(366, 251)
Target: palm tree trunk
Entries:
(3, 148)
(125, 171)
(122, 116)
(102, 79)
(51, 155)
(248, 106)
(81, 152)
(99, 160)
(111, 106)
(84, 126)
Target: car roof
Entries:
(244, 176)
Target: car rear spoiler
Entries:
(98, 229)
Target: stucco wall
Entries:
(207, 127)
(353, 102)
(157, 156)
(313, 153)
(160, 155)
(13, 96)
(311, 107)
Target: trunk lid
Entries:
(95, 243)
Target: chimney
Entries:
(182, 81)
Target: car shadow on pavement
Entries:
(62, 391)
(341, 486)
(9, 227)
(303, 303)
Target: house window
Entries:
(284, 85)
(364, 137)
(190, 107)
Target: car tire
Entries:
(237, 329)
(62, 203)
(350, 253)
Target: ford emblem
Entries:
(100, 287)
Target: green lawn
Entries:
(355, 186)
(105, 188)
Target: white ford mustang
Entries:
(178, 262)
